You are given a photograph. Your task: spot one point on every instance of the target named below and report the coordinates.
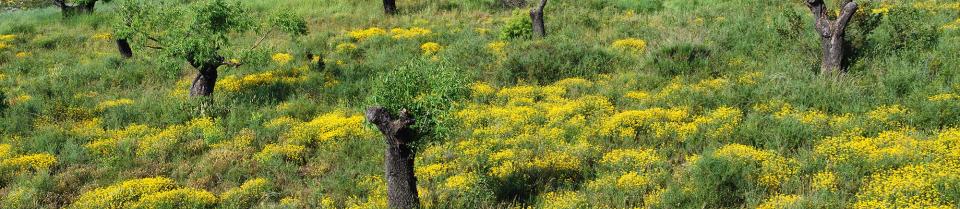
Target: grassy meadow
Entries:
(625, 104)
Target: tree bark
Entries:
(831, 33)
(398, 162)
(390, 7)
(206, 79)
(71, 10)
(124, 47)
(536, 17)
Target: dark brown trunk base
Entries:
(536, 17)
(399, 157)
(390, 7)
(124, 47)
(204, 83)
(73, 10)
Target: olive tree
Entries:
(198, 33)
(69, 8)
(831, 32)
(536, 17)
(409, 105)
(390, 7)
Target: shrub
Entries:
(426, 89)
(122, 195)
(682, 59)
(517, 26)
(555, 59)
(638, 5)
(247, 194)
(187, 198)
(736, 174)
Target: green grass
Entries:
(51, 96)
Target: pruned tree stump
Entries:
(831, 33)
(536, 17)
(399, 156)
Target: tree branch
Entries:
(389, 125)
(260, 40)
(822, 22)
(543, 4)
(849, 9)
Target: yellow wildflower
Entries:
(943, 97)
(780, 201)
(122, 195)
(913, 186)
(563, 200)
(497, 47)
(187, 198)
(883, 9)
(291, 152)
(22, 55)
(824, 181)
(632, 181)
(114, 103)
(400, 33)
(327, 127)
(750, 78)
(102, 36)
(631, 44)
(292, 202)
(630, 159)
(8, 37)
(364, 34)
(282, 58)
(5, 151)
(462, 182)
(640, 96)
(481, 89)
(346, 47)
(888, 114)
(430, 48)
(774, 169)
(432, 170)
(556, 161)
(247, 193)
(29, 162)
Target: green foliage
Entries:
(426, 89)
(554, 59)
(904, 30)
(197, 34)
(682, 59)
(60, 77)
(517, 26)
(290, 23)
(635, 5)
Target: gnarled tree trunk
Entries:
(390, 7)
(398, 164)
(124, 47)
(831, 33)
(513, 3)
(206, 79)
(70, 10)
(536, 16)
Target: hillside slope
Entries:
(625, 104)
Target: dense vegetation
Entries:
(624, 104)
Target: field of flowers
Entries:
(626, 104)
